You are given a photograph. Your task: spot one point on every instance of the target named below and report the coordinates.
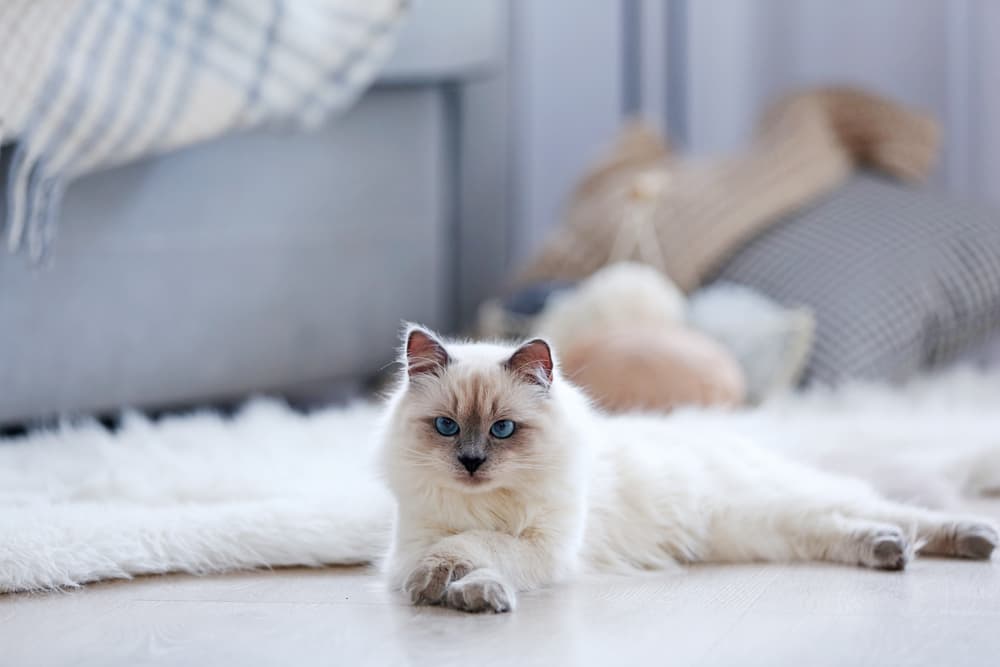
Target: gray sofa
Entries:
(271, 261)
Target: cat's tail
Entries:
(933, 477)
(977, 472)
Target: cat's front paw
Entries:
(480, 591)
(427, 583)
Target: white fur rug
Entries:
(270, 487)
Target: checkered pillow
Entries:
(899, 279)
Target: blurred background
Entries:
(183, 230)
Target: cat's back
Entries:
(656, 480)
(676, 439)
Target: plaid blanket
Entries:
(86, 84)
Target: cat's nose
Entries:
(471, 461)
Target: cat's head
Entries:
(474, 416)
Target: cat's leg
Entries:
(447, 576)
(938, 533)
(826, 534)
(873, 533)
(482, 570)
(810, 515)
(805, 529)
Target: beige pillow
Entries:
(652, 368)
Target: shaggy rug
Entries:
(271, 487)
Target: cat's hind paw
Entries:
(975, 540)
(427, 583)
(886, 549)
(479, 591)
(971, 538)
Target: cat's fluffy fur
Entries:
(574, 489)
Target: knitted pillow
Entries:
(899, 279)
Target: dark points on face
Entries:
(478, 419)
(477, 438)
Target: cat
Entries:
(506, 479)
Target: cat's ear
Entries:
(532, 362)
(422, 351)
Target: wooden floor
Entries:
(936, 613)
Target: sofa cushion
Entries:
(899, 279)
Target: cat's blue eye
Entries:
(446, 426)
(502, 429)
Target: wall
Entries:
(566, 94)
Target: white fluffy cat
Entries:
(507, 479)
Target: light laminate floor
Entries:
(936, 613)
